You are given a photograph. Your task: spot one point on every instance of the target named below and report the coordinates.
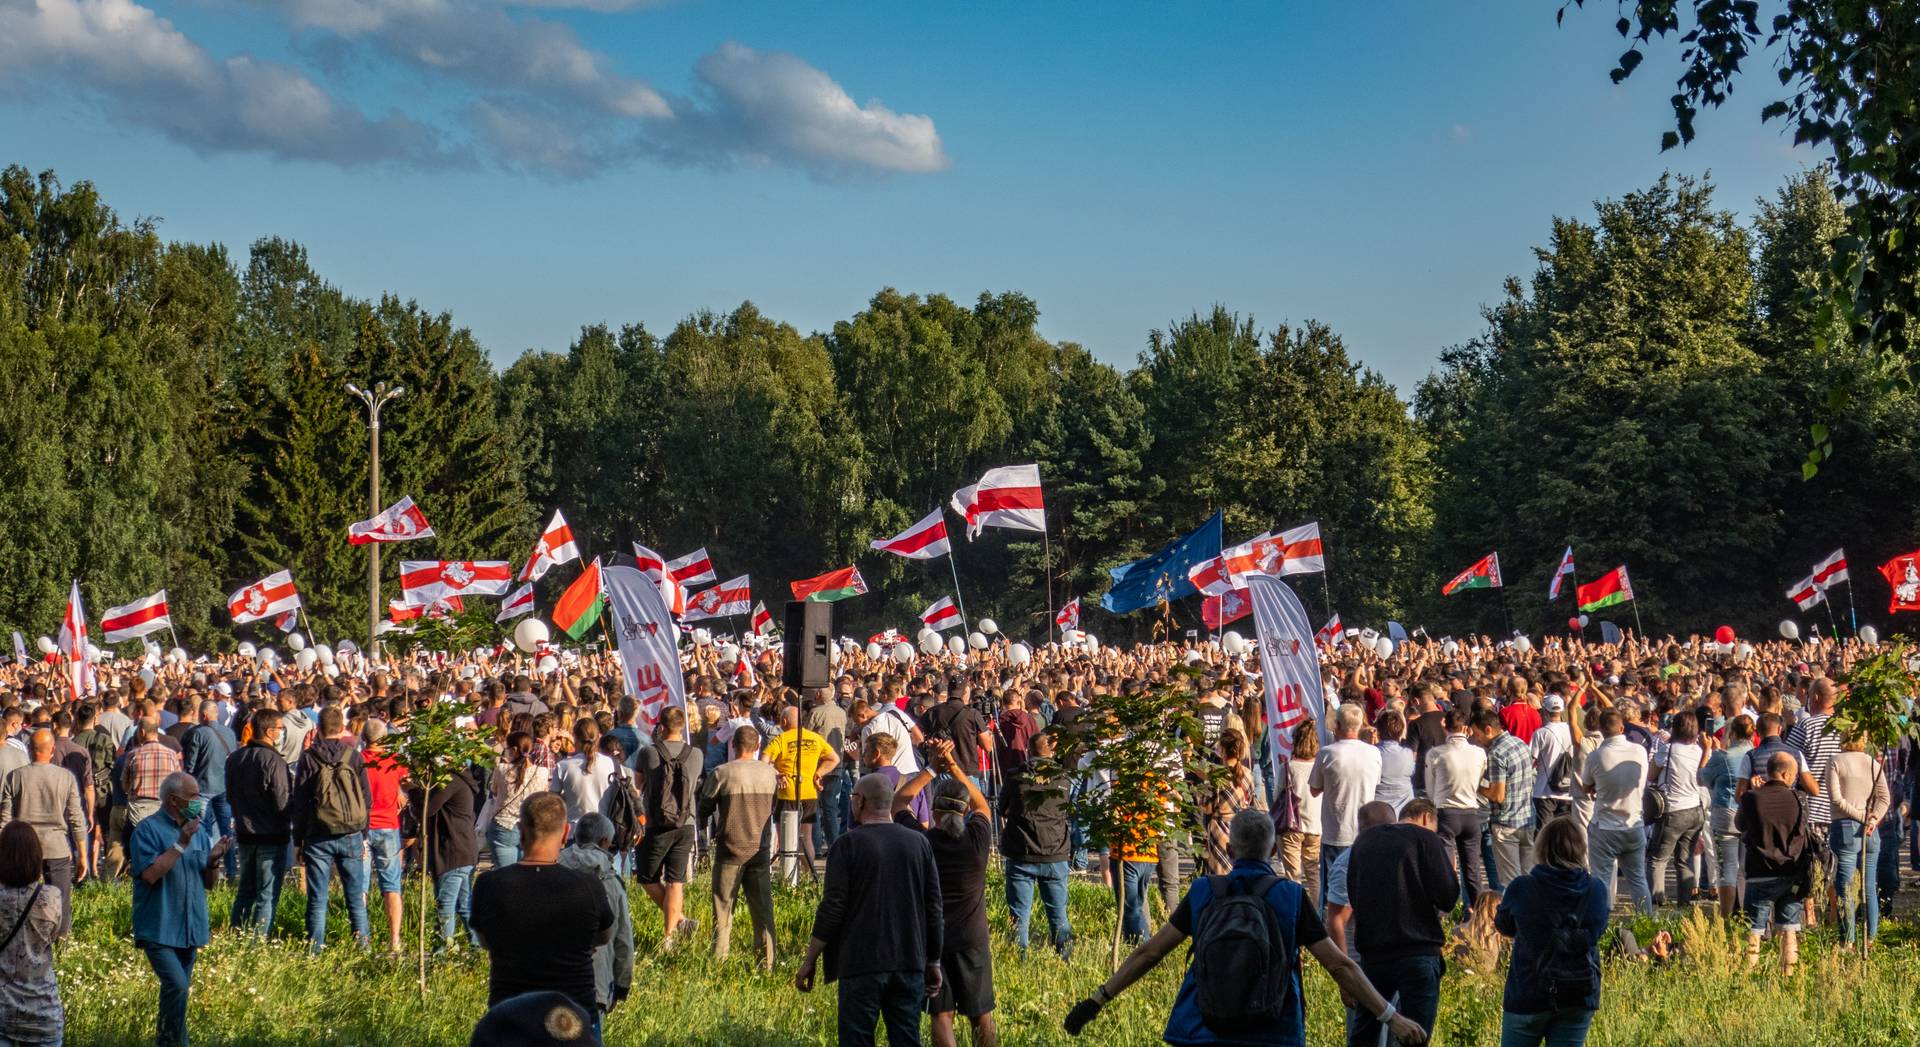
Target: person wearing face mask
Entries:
(173, 863)
(260, 786)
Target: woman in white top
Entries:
(1396, 761)
(1678, 774)
(582, 778)
(515, 778)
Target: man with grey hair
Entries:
(613, 960)
(45, 795)
(204, 749)
(1281, 1015)
(173, 863)
(1344, 776)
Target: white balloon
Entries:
(1019, 654)
(956, 645)
(324, 653)
(926, 631)
(47, 645)
(1233, 643)
(528, 635)
(1789, 629)
(977, 641)
(1521, 643)
(1193, 657)
(147, 677)
(729, 654)
(873, 651)
(297, 642)
(1383, 646)
(929, 642)
(1071, 636)
(94, 653)
(548, 663)
(469, 672)
(1091, 642)
(1584, 620)
(833, 653)
(702, 637)
(1450, 648)
(346, 647)
(247, 650)
(267, 657)
(902, 652)
(1868, 634)
(1743, 652)
(306, 659)
(178, 656)
(989, 626)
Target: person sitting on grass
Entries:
(1231, 994)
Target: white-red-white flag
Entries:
(402, 521)
(923, 541)
(137, 619)
(1830, 570)
(728, 598)
(1807, 593)
(1296, 551)
(272, 595)
(1230, 606)
(692, 569)
(521, 602)
(654, 566)
(886, 637)
(424, 581)
(287, 621)
(1330, 632)
(554, 547)
(1008, 496)
(399, 611)
(1069, 616)
(1560, 573)
(73, 644)
(762, 621)
(942, 615)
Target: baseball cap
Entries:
(1553, 703)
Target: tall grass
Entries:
(275, 993)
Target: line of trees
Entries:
(173, 417)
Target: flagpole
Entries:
(303, 618)
(1046, 552)
(1831, 624)
(1326, 587)
(1505, 618)
(1637, 627)
(1853, 612)
(961, 600)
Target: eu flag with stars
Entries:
(1162, 576)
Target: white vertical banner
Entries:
(648, 641)
(1289, 666)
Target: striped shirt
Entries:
(1510, 760)
(1818, 746)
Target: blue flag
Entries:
(1162, 576)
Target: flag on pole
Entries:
(424, 581)
(692, 569)
(727, 598)
(73, 643)
(265, 598)
(1482, 575)
(886, 637)
(1806, 593)
(942, 615)
(1008, 496)
(1289, 666)
(517, 604)
(579, 606)
(1330, 632)
(402, 521)
(554, 547)
(287, 621)
(923, 541)
(1903, 573)
(762, 621)
(1297, 551)
(1230, 606)
(647, 640)
(834, 585)
(1605, 591)
(1564, 571)
(1830, 570)
(19, 647)
(654, 566)
(1069, 616)
(399, 611)
(1162, 575)
(137, 619)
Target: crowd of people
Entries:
(1534, 789)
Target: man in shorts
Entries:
(670, 775)
(803, 759)
(1773, 831)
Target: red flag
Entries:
(73, 644)
(1232, 606)
(1611, 588)
(834, 585)
(1903, 573)
(402, 521)
(265, 598)
(1806, 594)
(762, 621)
(1330, 632)
(424, 581)
(692, 569)
(654, 566)
(517, 604)
(1830, 570)
(398, 612)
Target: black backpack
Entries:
(1560, 774)
(665, 809)
(1242, 973)
(1566, 970)
(626, 810)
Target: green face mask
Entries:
(195, 808)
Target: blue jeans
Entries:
(1770, 901)
(1626, 849)
(174, 968)
(1051, 879)
(1888, 873)
(1847, 841)
(256, 895)
(1562, 1028)
(1328, 855)
(320, 857)
(453, 893)
(1137, 878)
(389, 860)
(505, 844)
(833, 791)
(222, 812)
(1414, 980)
(896, 996)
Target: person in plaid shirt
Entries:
(1509, 795)
(148, 763)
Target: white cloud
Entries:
(142, 70)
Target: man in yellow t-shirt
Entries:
(800, 786)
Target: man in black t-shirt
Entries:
(1037, 842)
(1400, 885)
(962, 840)
(541, 921)
(670, 778)
(957, 721)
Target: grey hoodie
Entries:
(612, 962)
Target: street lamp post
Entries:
(375, 399)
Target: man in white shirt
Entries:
(888, 719)
(1553, 740)
(1344, 776)
(1615, 776)
(1455, 769)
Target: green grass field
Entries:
(274, 993)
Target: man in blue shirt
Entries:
(204, 749)
(1250, 843)
(173, 863)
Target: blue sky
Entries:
(1377, 166)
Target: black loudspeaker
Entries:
(806, 651)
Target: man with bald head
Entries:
(879, 922)
(45, 795)
(204, 749)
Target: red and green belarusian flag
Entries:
(579, 606)
(1482, 575)
(834, 585)
(1605, 591)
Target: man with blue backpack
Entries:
(1242, 985)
